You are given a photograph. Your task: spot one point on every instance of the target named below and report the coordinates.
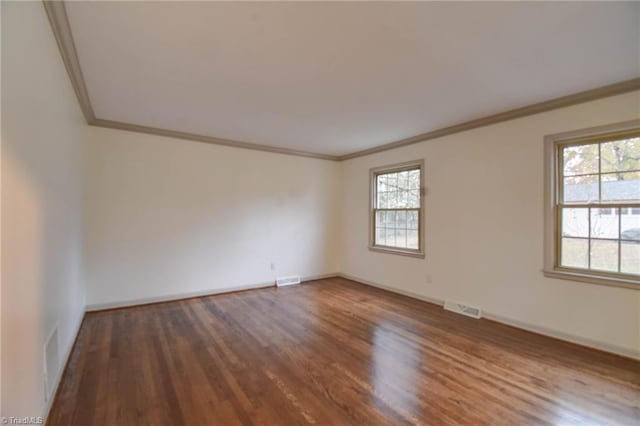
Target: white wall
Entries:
(43, 133)
(170, 217)
(484, 229)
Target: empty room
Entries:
(324, 213)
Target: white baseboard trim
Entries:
(63, 366)
(319, 277)
(567, 337)
(188, 295)
(175, 296)
(394, 290)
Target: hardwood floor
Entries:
(331, 352)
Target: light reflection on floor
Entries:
(394, 385)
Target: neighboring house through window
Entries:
(592, 225)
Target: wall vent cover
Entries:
(284, 281)
(51, 363)
(470, 311)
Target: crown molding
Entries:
(98, 122)
(57, 14)
(564, 101)
(62, 31)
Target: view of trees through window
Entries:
(599, 205)
(397, 209)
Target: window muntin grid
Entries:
(598, 190)
(397, 209)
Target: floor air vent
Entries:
(459, 308)
(284, 281)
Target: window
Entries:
(594, 183)
(396, 209)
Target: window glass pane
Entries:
(390, 219)
(604, 223)
(621, 186)
(401, 238)
(412, 239)
(392, 181)
(398, 190)
(381, 200)
(392, 200)
(403, 180)
(390, 237)
(413, 200)
(397, 228)
(580, 160)
(621, 155)
(575, 222)
(630, 227)
(401, 219)
(403, 198)
(575, 253)
(382, 183)
(414, 179)
(630, 257)
(412, 219)
(581, 189)
(604, 255)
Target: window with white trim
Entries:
(396, 209)
(596, 188)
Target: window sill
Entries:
(409, 253)
(591, 278)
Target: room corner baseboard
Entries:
(394, 290)
(566, 337)
(190, 295)
(63, 368)
(174, 297)
(319, 277)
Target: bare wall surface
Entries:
(168, 217)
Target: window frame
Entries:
(552, 192)
(395, 168)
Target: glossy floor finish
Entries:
(331, 352)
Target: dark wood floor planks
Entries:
(331, 352)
